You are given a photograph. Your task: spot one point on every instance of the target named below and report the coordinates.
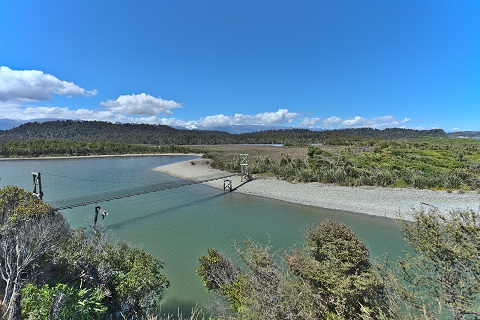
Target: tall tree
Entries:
(29, 228)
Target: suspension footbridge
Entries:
(104, 196)
(130, 192)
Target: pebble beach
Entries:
(376, 201)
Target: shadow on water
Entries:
(119, 225)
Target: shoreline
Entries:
(375, 201)
(103, 156)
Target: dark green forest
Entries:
(97, 131)
(42, 147)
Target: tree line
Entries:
(98, 131)
(42, 147)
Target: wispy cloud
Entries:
(33, 85)
(140, 105)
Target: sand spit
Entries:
(377, 201)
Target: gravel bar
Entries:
(376, 201)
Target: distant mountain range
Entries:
(6, 124)
(465, 134)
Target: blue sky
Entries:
(314, 64)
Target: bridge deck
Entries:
(125, 193)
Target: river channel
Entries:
(178, 225)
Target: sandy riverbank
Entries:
(385, 202)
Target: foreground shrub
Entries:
(61, 302)
(130, 279)
(444, 269)
(331, 278)
(29, 232)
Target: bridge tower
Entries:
(98, 210)
(244, 172)
(37, 184)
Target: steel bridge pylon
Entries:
(244, 171)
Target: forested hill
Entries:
(97, 131)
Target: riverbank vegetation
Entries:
(425, 163)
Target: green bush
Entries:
(61, 302)
(332, 278)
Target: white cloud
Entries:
(218, 120)
(34, 85)
(331, 121)
(309, 122)
(141, 105)
(172, 122)
(281, 116)
(335, 122)
(284, 117)
(18, 88)
(32, 113)
(356, 121)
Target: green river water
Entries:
(178, 225)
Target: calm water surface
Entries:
(179, 225)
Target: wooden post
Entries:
(96, 216)
(37, 185)
(97, 211)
